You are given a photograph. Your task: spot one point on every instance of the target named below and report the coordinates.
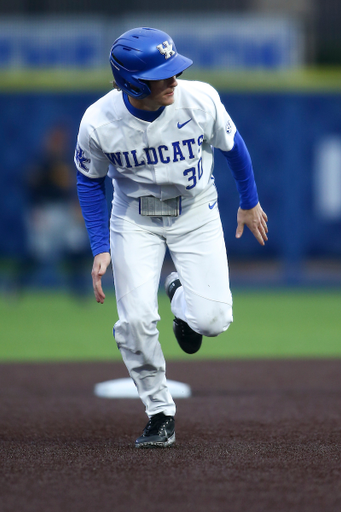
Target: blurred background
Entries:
(277, 67)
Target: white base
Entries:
(125, 388)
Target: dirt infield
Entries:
(255, 436)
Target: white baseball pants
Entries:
(138, 245)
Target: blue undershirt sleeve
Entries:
(91, 194)
(239, 162)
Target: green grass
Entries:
(76, 80)
(276, 324)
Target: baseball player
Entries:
(154, 135)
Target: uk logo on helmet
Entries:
(166, 49)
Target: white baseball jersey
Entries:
(169, 157)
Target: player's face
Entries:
(162, 95)
(162, 91)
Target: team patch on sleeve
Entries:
(81, 158)
(228, 126)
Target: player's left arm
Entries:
(223, 134)
(256, 220)
(250, 212)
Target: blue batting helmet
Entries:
(144, 54)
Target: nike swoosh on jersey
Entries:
(183, 124)
(211, 206)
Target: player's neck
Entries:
(144, 104)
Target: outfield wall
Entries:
(294, 140)
(213, 41)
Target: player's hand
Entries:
(100, 265)
(256, 220)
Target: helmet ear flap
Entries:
(126, 81)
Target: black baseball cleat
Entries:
(158, 433)
(189, 340)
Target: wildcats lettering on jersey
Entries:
(176, 152)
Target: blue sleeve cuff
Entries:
(91, 194)
(239, 162)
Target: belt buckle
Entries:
(151, 206)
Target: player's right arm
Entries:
(100, 265)
(92, 168)
(91, 194)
